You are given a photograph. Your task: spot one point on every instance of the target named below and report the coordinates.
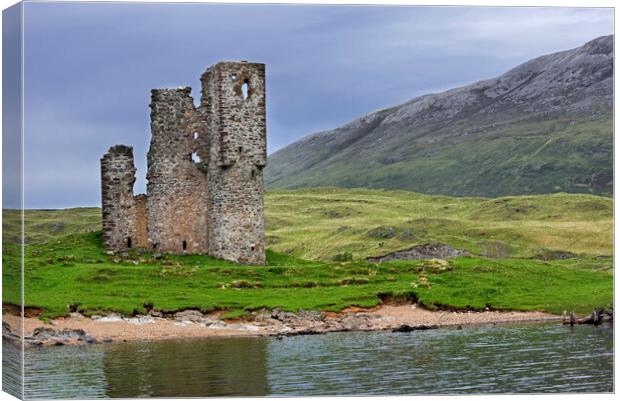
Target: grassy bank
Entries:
(74, 272)
(306, 229)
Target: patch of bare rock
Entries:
(420, 252)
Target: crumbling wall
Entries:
(205, 171)
(233, 110)
(118, 175)
(140, 222)
(177, 193)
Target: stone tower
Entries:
(117, 201)
(233, 109)
(177, 183)
(205, 172)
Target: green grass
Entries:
(323, 223)
(75, 272)
(306, 229)
(320, 224)
(44, 225)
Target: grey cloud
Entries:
(90, 68)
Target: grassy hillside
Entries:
(529, 157)
(45, 225)
(306, 229)
(320, 224)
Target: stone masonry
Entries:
(118, 175)
(177, 192)
(205, 172)
(233, 107)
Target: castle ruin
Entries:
(204, 171)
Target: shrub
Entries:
(382, 232)
(436, 265)
(343, 257)
(245, 284)
(495, 249)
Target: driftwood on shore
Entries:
(597, 317)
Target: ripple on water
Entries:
(534, 358)
(483, 359)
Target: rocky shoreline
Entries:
(78, 329)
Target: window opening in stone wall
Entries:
(233, 77)
(155, 245)
(195, 135)
(245, 89)
(128, 242)
(252, 248)
(195, 158)
(253, 173)
(240, 149)
(184, 245)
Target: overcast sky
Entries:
(89, 69)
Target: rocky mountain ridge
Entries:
(543, 126)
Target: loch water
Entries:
(510, 358)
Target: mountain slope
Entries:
(544, 126)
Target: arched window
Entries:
(245, 89)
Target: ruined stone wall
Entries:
(118, 175)
(233, 110)
(205, 172)
(177, 192)
(140, 222)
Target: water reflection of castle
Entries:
(187, 368)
